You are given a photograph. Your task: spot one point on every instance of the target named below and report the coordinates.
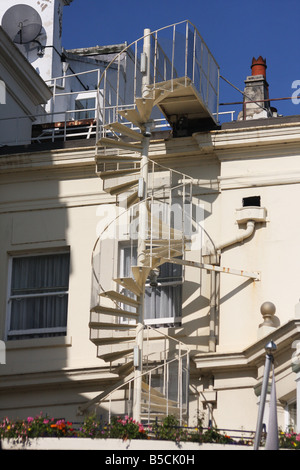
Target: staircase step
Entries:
(119, 144)
(165, 89)
(102, 158)
(162, 229)
(121, 188)
(153, 261)
(141, 274)
(113, 340)
(97, 325)
(133, 116)
(124, 369)
(132, 199)
(116, 312)
(146, 387)
(164, 242)
(144, 106)
(130, 284)
(118, 173)
(157, 259)
(125, 130)
(162, 251)
(158, 400)
(111, 294)
(114, 356)
(155, 407)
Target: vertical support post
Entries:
(142, 234)
(147, 54)
(270, 347)
(213, 306)
(98, 108)
(53, 100)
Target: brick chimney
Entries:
(256, 90)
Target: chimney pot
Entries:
(259, 66)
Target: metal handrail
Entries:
(154, 34)
(150, 198)
(133, 379)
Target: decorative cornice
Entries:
(236, 139)
(252, 356)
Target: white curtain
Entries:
(165, 300)
(39, 294)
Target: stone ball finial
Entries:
(268, 310)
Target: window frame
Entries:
(41, 333)
(87, 95)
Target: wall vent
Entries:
(252, 201)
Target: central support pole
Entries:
(142, 236)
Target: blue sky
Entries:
(234, 30)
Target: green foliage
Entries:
(210, 435)
(125, 429)
(91, 428)
(169, 430)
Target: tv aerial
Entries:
(22, 23)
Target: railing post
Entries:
(186, 51)
(180, 385)
(98, 108)
(149, 395)
(147, 54)
(173, 56)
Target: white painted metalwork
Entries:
(154, 217)
(176, 51)
(161, 395)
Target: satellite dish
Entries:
(22, 23)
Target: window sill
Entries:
(59, 341)
(163, 322)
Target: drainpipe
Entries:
(216, 279)
(239, 237)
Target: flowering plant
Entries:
(289, 440)
(40, 426)
(125, 429)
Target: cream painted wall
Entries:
(53, 200)
(48, 210)
(273, 250)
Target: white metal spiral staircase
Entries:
(152, 219)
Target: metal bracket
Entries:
(221, 269)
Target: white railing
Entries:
(169, 206)
(165, 386)
(177, 51)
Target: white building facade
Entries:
(220, 205)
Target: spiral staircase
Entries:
(151, 219)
